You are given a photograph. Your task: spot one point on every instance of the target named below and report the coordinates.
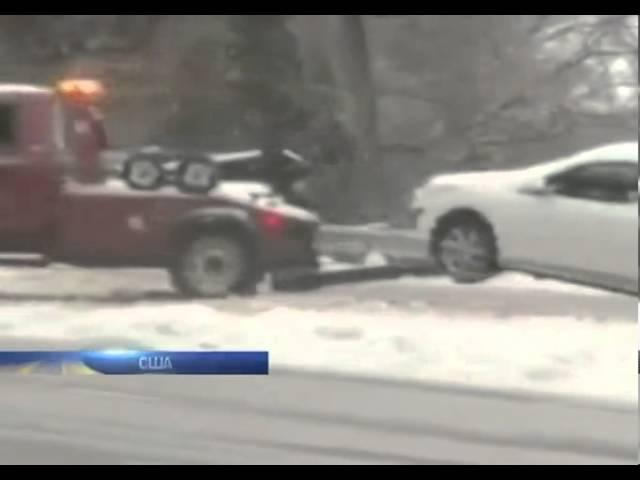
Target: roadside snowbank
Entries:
(515, 281)
(550, 355)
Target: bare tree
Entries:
(339, 61)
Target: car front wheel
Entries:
(213, 266)
(466, 249)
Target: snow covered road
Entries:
(299, 418)
(512, 333)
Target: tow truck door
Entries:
(29, 176)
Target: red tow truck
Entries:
(56, 202)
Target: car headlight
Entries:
(416, 199)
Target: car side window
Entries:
(612, 182)
(8, 132)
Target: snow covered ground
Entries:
(547, 355)
(415, 341)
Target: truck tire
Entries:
(213, 266)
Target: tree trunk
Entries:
(337, 57)
(350, 60)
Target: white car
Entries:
(574, 219)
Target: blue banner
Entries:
(137, 363)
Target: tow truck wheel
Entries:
(197, 176)
(144, 172)
(213, 266)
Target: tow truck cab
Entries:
(55, 202)
(46, 135)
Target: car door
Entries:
(592, 218)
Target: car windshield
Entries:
(617, 153)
